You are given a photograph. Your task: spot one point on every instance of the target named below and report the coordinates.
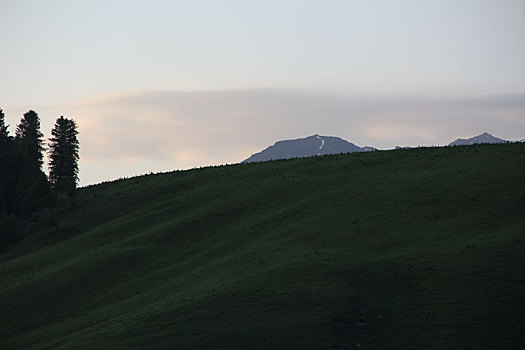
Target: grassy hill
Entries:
(408, 249)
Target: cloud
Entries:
(136, 133)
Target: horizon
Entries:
(175, 85)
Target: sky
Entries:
(165, 85)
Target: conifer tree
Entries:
(7, 164)
(63, 156)
(4, 133)
(29, 137)
(4, 139)
(30, 192)
(24, 188)
(4, 143)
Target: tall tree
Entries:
(4, 133)
(29, 137)
(31, 191)
(6, 162)
(24, 187)
(5, 141)
(4, 144)
(63, 156)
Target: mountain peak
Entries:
(482, 138)
(315, 145)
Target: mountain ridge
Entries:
(317, 145)
(482, 138)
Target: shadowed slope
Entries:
(419, 248)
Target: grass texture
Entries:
(408, 249)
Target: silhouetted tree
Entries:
(5, 141)
(29, 137)
(4, 133)
(63, 156)
(5, 161)
(31, 192)
(26, 198)
(4, 145)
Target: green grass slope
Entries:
(407, 249)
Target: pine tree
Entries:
(30, 193)
(29, 137)
(5, 141)
(7, 177)
(24, 187)
(4, 153)
(63, 156)
(4, 133)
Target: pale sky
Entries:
(165, 85)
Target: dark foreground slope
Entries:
(420, 248)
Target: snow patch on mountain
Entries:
(322, 143)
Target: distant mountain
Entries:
(368, 149)
(317, 145)
(314, 145)
(483, 138)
